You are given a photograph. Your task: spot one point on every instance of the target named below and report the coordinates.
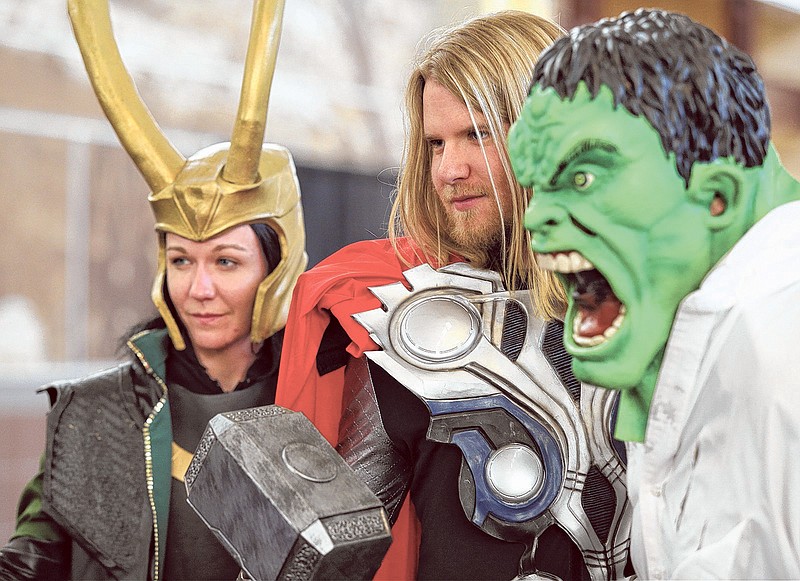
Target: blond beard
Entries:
(477, 232)
(471, 229)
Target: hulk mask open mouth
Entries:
(597, 312)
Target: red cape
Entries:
(338, 286)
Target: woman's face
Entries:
(213, 285)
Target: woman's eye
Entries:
(178, 261)
(226, 262)
(582, 180)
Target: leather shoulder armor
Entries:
(94, 474)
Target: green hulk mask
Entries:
(628, 233)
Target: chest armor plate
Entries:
(537, 451)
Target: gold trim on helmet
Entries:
(222, 186)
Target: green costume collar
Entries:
(150, 347)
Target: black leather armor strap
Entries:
(364, 443)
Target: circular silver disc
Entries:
(440, 328)
(515, 473)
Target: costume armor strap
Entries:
(364, 443)
(535, 451)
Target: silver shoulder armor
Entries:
(536, 450)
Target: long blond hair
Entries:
(488, 62)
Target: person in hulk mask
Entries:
(662, 205)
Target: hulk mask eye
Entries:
(582, 180)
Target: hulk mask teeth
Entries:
(598, 311)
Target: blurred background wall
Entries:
(78, 249)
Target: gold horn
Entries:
(248, 131)
(157, 160)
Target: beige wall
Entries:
(117, 252)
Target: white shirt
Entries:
(716, 485)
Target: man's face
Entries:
(612, 215)
(461, 168)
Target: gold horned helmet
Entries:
(242, 182)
